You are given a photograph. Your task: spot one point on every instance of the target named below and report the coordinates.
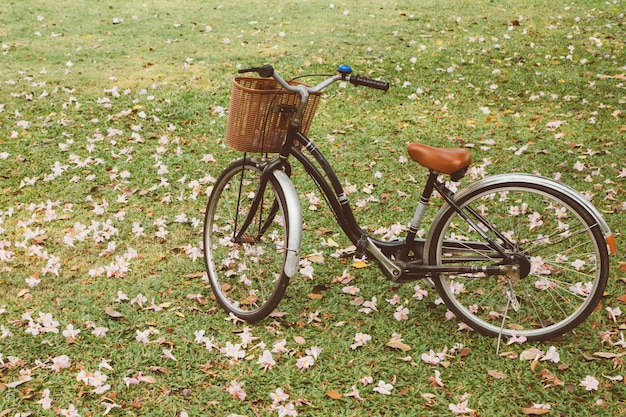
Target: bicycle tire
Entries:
(553, 236)
(247, 276)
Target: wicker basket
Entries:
(254, 122)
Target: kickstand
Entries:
(506, 311)
(511, 298)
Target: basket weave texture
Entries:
(254, 122)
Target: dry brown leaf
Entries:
(331, 243)
(334, 395)
(113, 313)
(138, 403)
(496, 374)
(533, 365)
(357, 301)
(38, 240)
(530, 354)
(194, 275)
(397, 344)
(147, 379)
(464, 352)
(315, 296)
(615, 77)
(564, 366)
(607, 355)
(508, 355)
(530, 411)
(160, 369)
(551, 378)
(17, 383)
(299, 340)
(622, 298)
(317, 258)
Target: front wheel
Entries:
(246, 268)
(555, 241)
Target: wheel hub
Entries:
(522, 262)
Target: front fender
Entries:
(294, 226)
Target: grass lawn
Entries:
(112, 117)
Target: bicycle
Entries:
(510, 255)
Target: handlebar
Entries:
(267, 71)
(369, 82)
(345, 71)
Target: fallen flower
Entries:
(109, 406)
(288, 410)
(551, 355)
(60, 362)
(420, 293)
(70, 332)
(516, 339)
(383, 388)
(367, 380)
(460, 408)
(436, 379)
(590, 383)
(168, 355)
(278, 396)
(314, 351)
(266, 360)
(360, 340)
(354, 393)
(431, 358)
(236, 390)
(233, 350)
(70, 411)
(305, 362)
(614, 313)
(401, 314)
(45, 401)
(143, 336)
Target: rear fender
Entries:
(546, 182)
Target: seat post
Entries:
(420, 209)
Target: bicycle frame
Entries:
(392, 256)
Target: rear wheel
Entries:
(556, 242)
(245, 270)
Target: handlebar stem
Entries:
(304, 92)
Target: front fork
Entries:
(293, 213)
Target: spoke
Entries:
(485, 256)
(550, 243)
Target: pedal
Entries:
(361, 245)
